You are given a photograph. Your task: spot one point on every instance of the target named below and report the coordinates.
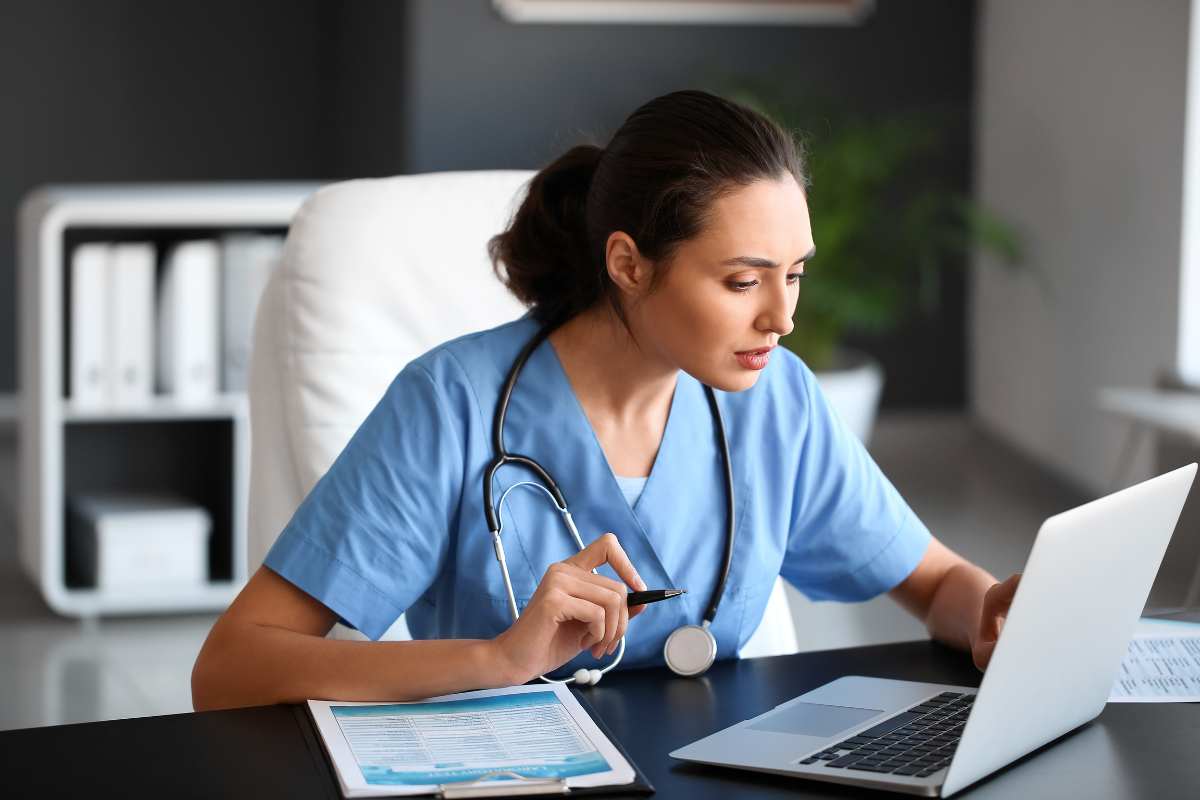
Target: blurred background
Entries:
(1006, 304)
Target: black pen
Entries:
(651, 596)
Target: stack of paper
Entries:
(1162, 664)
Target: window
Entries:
(1188, 348)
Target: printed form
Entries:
(537, 732)
(1162, 664)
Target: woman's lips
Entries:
(754, 359)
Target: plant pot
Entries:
(852, 387)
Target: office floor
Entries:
(973, 492)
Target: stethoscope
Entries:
(690, 649)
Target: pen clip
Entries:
(519, 785)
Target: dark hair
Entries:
(656, 181)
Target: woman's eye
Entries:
(745, 286)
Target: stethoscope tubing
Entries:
(550, 487)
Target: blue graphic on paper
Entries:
(545, 745)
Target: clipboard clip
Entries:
(483, 786)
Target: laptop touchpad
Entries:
(811, 719)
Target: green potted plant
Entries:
(885, 229)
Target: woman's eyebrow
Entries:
(756, 261)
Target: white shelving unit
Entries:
(204, 446)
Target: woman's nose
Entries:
(777, 315)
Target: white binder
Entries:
(91, 385)
(131, 326)
(187, 322)
(246, 264)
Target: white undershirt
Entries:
(631, 488)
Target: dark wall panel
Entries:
(366, 107)
(304, 89)
(140, 91)
(486, 93)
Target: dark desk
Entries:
(1132, 750)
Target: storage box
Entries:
(136, 541)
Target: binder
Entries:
(246, 264)
(90, 379)
(131, 323)
(187, 322)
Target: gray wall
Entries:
(1079, 139)
(364, 112)
(135, 91)
(125, 90)
(483, 92)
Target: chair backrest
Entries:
(374, 273)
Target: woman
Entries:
(665, 263)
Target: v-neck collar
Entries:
(546, 426)
(598, 450)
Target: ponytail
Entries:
(548, 261)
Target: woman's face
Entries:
(731, 291)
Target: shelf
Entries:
(199, 451)
(93, 602)
(1177, 412)
(161, 408)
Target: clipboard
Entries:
(640, 787)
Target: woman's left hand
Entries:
(996, 602)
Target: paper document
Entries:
(1162, 665)
(411, 748)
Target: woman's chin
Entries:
(735, 381)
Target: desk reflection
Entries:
(62, 671)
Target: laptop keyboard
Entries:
(916, 742)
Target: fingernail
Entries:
(641, 584)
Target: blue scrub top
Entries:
(397, 525)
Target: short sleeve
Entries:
(373, 533)
(852, 535)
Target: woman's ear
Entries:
(626, 266)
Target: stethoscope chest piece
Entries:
(690, 650)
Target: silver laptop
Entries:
(1082, 591)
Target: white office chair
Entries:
(374, 273)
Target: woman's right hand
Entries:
(572, 609)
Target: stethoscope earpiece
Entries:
(588, 677)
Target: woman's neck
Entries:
(615, 381)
